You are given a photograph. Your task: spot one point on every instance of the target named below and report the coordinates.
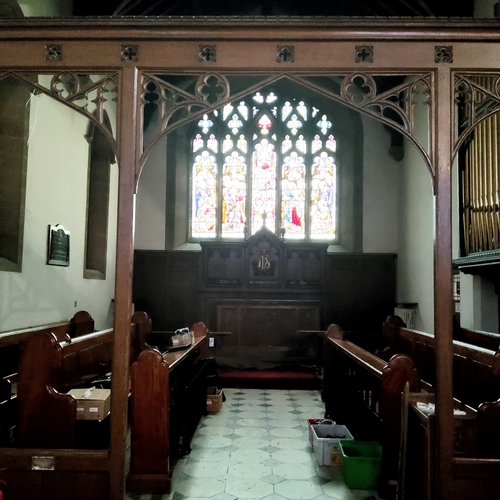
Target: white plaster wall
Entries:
(150, 200)
(415, 281)
(46, 8)
(56, 193)
(380, 190)
(479, 304)
(484, 8)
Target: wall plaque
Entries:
(58, 246)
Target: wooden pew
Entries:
(10, 342)
(476, 370)
(48, 368)
(476, 466)
(487, 340)
(476, 382)
(80, 324)
(168, 397)
(52, 473)
(363, 392)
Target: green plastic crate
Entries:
(361, 463)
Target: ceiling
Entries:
(378, 8)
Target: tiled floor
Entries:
(257, 447)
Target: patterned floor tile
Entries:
(281, 422)
(210, 441)
(251, 455)
(257, 448)
(294, 471)
(273, 479)
(250, 470)
(252, 414)
(298, 490)
(200, 487)
(215, 431)
(209, 455)
(205, 469)
(227, 478)
(250, 422)
(290, 433)
(270, 449)
(253, 432)
(287, 443)
(224, 496)
(249, 488)
(250, 442)
(293, 456)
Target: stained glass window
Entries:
(293, 191)
(265, 160)
(323, 195)
(204, 208)
(233, 194)
(263, 185)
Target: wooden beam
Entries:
(127, 120)
(443, 101)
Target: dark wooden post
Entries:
(443, 326)
(127, 123)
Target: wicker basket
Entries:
(214, 402)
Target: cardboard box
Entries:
(326, 443)
(91, 404)
(214, 402)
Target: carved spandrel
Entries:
(87, 94)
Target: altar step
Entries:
(269, 379)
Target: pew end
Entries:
(168, 397)
(488, 430)
(334, 332)
(49, 368)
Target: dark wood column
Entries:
(127, 124)
(443, 325)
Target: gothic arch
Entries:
(395, 106)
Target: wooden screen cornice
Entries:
(248, 45)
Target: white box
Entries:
(326, 439)
(317, 421)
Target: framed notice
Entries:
(58, 246)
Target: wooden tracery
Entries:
(477, 101)
(395, 107)
(84, 93)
